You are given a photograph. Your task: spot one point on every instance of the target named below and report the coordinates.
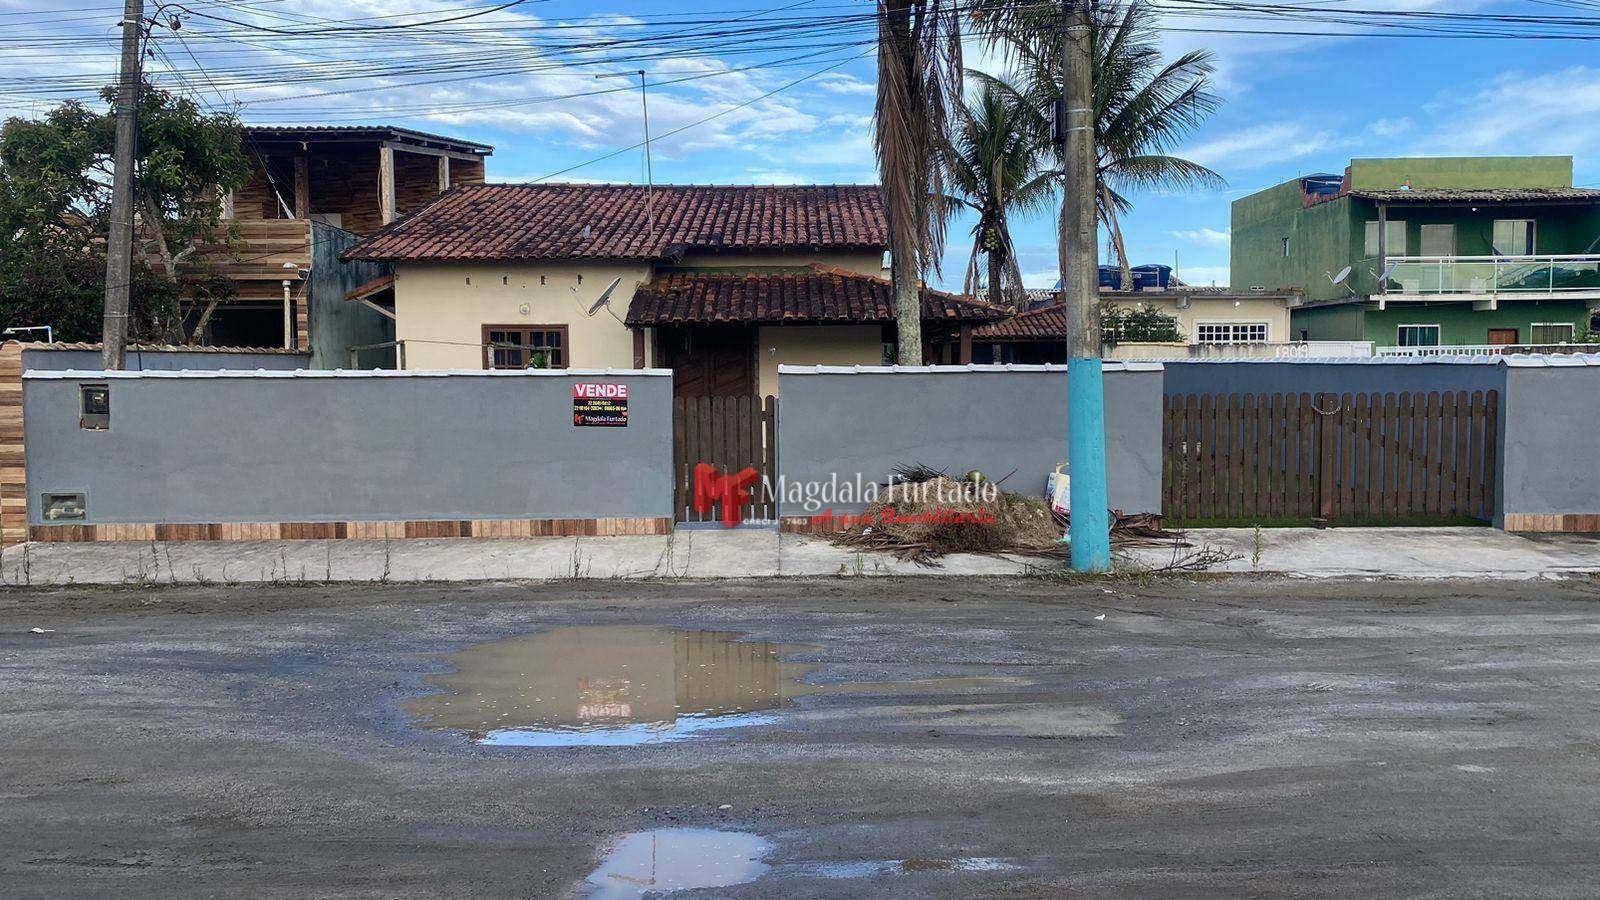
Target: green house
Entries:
(1469, 253)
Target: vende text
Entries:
(596, 391)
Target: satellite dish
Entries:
(1388, 272)
(605, 296)
(1339, 278)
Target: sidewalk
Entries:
(754, 553)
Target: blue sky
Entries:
(1291, 105)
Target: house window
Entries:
(1231, 332)
(94, 407)
(1394, 243)
(1551, 332)
(1513, 237)
(525, 347)
(1438, 240)
(1285, 248)
(1417, 336)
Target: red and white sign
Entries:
(596, 390)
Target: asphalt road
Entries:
(1212, 738)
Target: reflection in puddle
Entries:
(622, 686)
(677, 859)
(868, 868)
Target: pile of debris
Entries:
(922, 514)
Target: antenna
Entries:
(649, 168)
(605, 296)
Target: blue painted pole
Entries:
(1086, 454)
(1080, 293)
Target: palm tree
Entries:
(994, 167)
(1143, 108)
(919, 80)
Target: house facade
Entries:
(1427, 252)
(722, 284)
(1212, 322)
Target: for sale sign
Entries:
(602, 404)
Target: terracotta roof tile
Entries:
(1044, 323)
(816, 294)
(611, 221)
(1481, 195)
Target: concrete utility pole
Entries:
(1080, 290)
(119, 243)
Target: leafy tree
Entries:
(1143, 108)
(919, 84)
(55, 199)
(994, 168)
(1140, 323)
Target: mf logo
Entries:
(732, 491)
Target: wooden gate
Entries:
(1353, 458)
(731, 433)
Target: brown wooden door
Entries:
(1502, 336)
(710, 361)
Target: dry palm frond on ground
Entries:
(927, 514)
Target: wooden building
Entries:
(311, 185)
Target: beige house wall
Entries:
(440, 309)
(1272, 311)
(814, 345)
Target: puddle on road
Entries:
(868, 868)
(613, 686)
(678, 859)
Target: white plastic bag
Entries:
(1057, 488)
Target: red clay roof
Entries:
(1042, 324)
(611, 221)
(816, 294)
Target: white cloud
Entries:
(1204, 276)
(1553, 113)
(1260, 145)
(1391, 128)
(1208, 237)
(843, 83)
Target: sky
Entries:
(783, 93)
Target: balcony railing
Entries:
(1493, 274)
(1487, 349)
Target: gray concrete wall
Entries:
(338, 324)
(1549, 438)
(347, 447)
(52, 360)
(1371, 376)
(836, 426)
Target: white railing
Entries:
(1487, 349)
(1492, 274)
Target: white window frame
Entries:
(1572, 332)
(1533, 236)
(1233, 327)
(1439, 342)
(1389, 249)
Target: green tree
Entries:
(1140, 323)
(1143, 107)
(994, 168)
(55, 176)
(919, 85)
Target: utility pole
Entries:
(649, 168)
(1080, 289)
(119, 243)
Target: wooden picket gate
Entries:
(1368, 458)
(731, 433)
